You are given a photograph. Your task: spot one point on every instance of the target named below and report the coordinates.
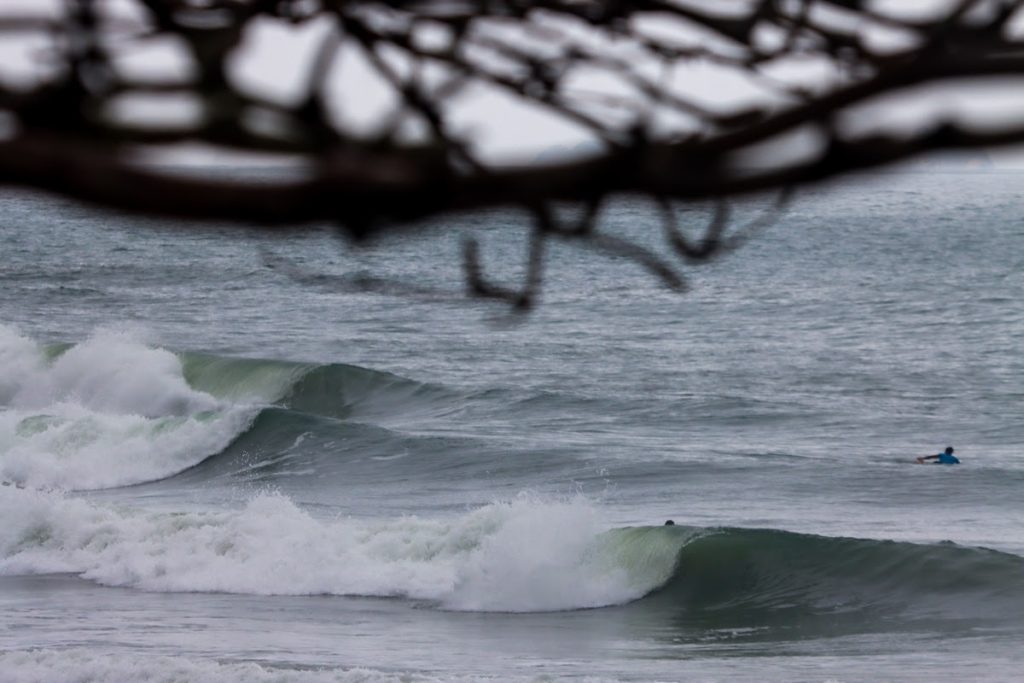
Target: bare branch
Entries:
(617, 72)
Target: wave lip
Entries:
(333, 390)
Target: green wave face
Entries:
(752, 578)
(242, 379)
(333, 390)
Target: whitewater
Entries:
(224, 458)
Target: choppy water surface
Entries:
(230, 456)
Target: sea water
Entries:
(233, 455)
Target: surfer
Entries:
(944, 458)
(669, 523)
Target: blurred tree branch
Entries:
(621, 73)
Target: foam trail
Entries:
(76, 665)
(520, 556)
(110, 411)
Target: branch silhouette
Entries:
(616, 71)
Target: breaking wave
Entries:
(525, 555)
(114, 411)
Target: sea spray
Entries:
(113, 372)
(20, 360)
(543, 557)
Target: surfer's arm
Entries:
(922, 458)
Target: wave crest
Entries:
(110, 411)
(521, 556)
(115, 411)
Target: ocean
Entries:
(239, 455)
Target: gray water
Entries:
(237, 456)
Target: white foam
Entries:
(525, 555)
(77, 665)
(20, 360)
(113, 372)
(542, 557)
(107, 412)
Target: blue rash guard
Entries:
(947, 459)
